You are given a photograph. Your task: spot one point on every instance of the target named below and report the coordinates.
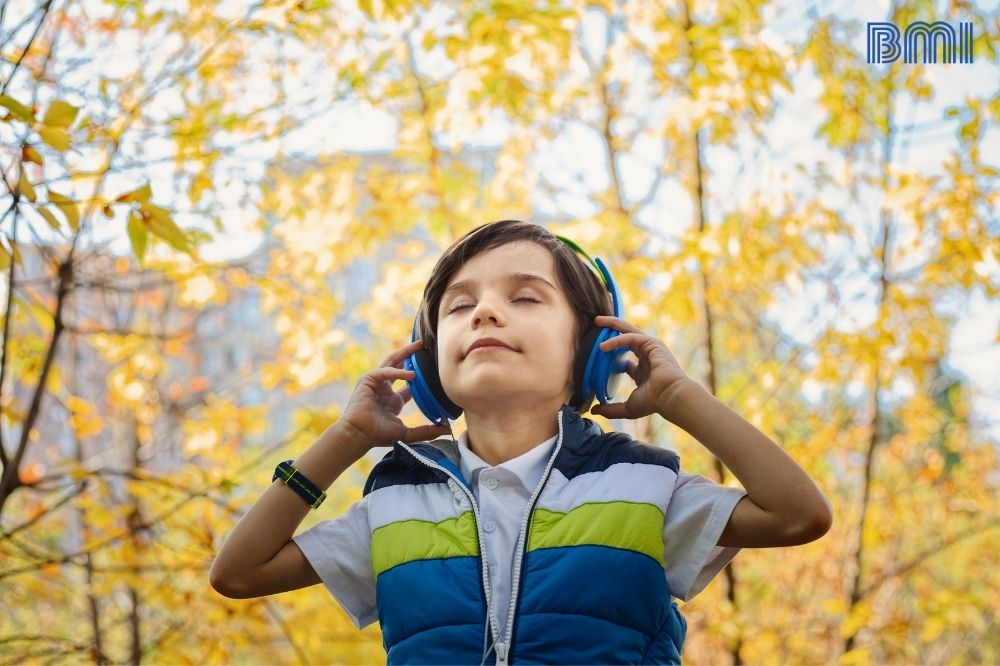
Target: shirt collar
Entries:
(528, 467)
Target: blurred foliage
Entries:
(146, 121)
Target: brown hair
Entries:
(584, 290)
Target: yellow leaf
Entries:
(201, 182)
(137, 235)
(160, 223)
(834, 606)
(29, 154)
(140, 194)
(68, 208)
(934, 626)
(859, 616)
(84, 419)
(60, 114)
(20, 110)
(49, 217)
(57, 137)
(25, 188)
(78, 473)
(859, 655)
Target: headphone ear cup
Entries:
(609, 367)
(426, 389)
(598, 372)
(582, 397)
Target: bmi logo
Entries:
(883, 42)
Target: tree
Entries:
(148, 387)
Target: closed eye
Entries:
(523, 298)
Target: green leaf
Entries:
(20, 110)
(137, 234)
(60, 114)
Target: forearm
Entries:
(273, 519)
(772, 479)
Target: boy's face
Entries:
(532, 317)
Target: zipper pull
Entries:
(501, 653)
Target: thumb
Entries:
(425, 432)
(610, 410)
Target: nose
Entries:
(486, 309)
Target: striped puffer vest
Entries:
(588, 583)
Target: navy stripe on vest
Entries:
(398, 467)
(587, 448)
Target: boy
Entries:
(535, 537)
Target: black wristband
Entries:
(297, 481)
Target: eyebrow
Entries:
(513, 277)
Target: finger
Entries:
(398, 356)
(610, 410)
(623, 339)
(390, 374)
(404, 393)
(611, 321)
(424, 433)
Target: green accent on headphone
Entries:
(579, 249)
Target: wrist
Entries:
(343, 435)
(671, 403)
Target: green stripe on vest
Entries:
(634, 526)
(408, 540)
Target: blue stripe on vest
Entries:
(426, 594)
(444, 645)
(588, 580)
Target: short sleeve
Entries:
(340, 552)
(696, 516)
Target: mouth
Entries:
(489, 345)
(487, 348)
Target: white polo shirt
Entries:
(502, 493)
(699, 509)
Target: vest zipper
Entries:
(501, 654)
(491, 619)
(522, 539)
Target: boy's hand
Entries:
(372, 413)
(657, 374)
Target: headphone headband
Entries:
(577, 248)
(603, 273)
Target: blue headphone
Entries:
(596, 373)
